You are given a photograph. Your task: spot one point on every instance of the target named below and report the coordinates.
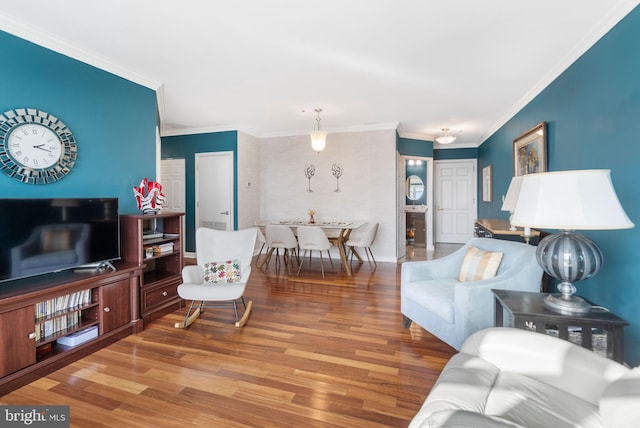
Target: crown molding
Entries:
(172, 132)
(415, 136)
(27, 32)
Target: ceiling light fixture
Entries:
(318, 137)
(446, 138)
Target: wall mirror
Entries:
(415, 187)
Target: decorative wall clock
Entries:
(35, 146)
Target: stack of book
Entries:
(163, 248)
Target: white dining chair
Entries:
(363, 237)
(313, 238)
(281, 237)
(261, 241)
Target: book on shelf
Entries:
(50, 307)
(79, 336)
(171, 235)
(163, 248)
(151, 234)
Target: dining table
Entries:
(338, 233)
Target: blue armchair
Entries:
(432, 297)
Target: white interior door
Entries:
(173, 180)
(214, 190)
(456, 207)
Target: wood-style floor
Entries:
(315, 353)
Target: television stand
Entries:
(37, 311)
(95, 266)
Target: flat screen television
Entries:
(39, 236)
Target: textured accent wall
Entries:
(593, 116)
(112, 119)
(367, 187)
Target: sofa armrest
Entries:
(550, 360)
(192, 275)
(619, 403)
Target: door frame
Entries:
(430, 185)
(474, 190)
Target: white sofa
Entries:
(506, 377)
(432, 297)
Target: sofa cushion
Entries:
(534, 404)
(478, 265)
(436, 296)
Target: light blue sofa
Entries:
(432, 297)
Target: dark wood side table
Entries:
(599, 330)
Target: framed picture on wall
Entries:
(486, 184)
(530, 151)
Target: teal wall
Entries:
(451, 154)
(112, 119)
(185, 147)
(411, 147)
(593, 116)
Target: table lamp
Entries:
(509, 203)
(569, 201)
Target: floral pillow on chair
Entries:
(222, 272)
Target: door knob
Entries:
(225, 212)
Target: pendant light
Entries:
(318, 137)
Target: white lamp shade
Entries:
(318, 140)
(569, 200)
(509, 203)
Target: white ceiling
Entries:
(263, 66)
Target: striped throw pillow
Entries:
(478, 265)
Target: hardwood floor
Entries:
(315, 353)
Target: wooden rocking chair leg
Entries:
(245, 317)
(190, 318)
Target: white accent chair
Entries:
(363, 237)
(506, 377)
(312, 238)
(217, 246)
(432, 297)
(278, 237)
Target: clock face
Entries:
(35, 146)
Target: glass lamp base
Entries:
(567, 304)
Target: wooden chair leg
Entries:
(245, 317)
(191, 317)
